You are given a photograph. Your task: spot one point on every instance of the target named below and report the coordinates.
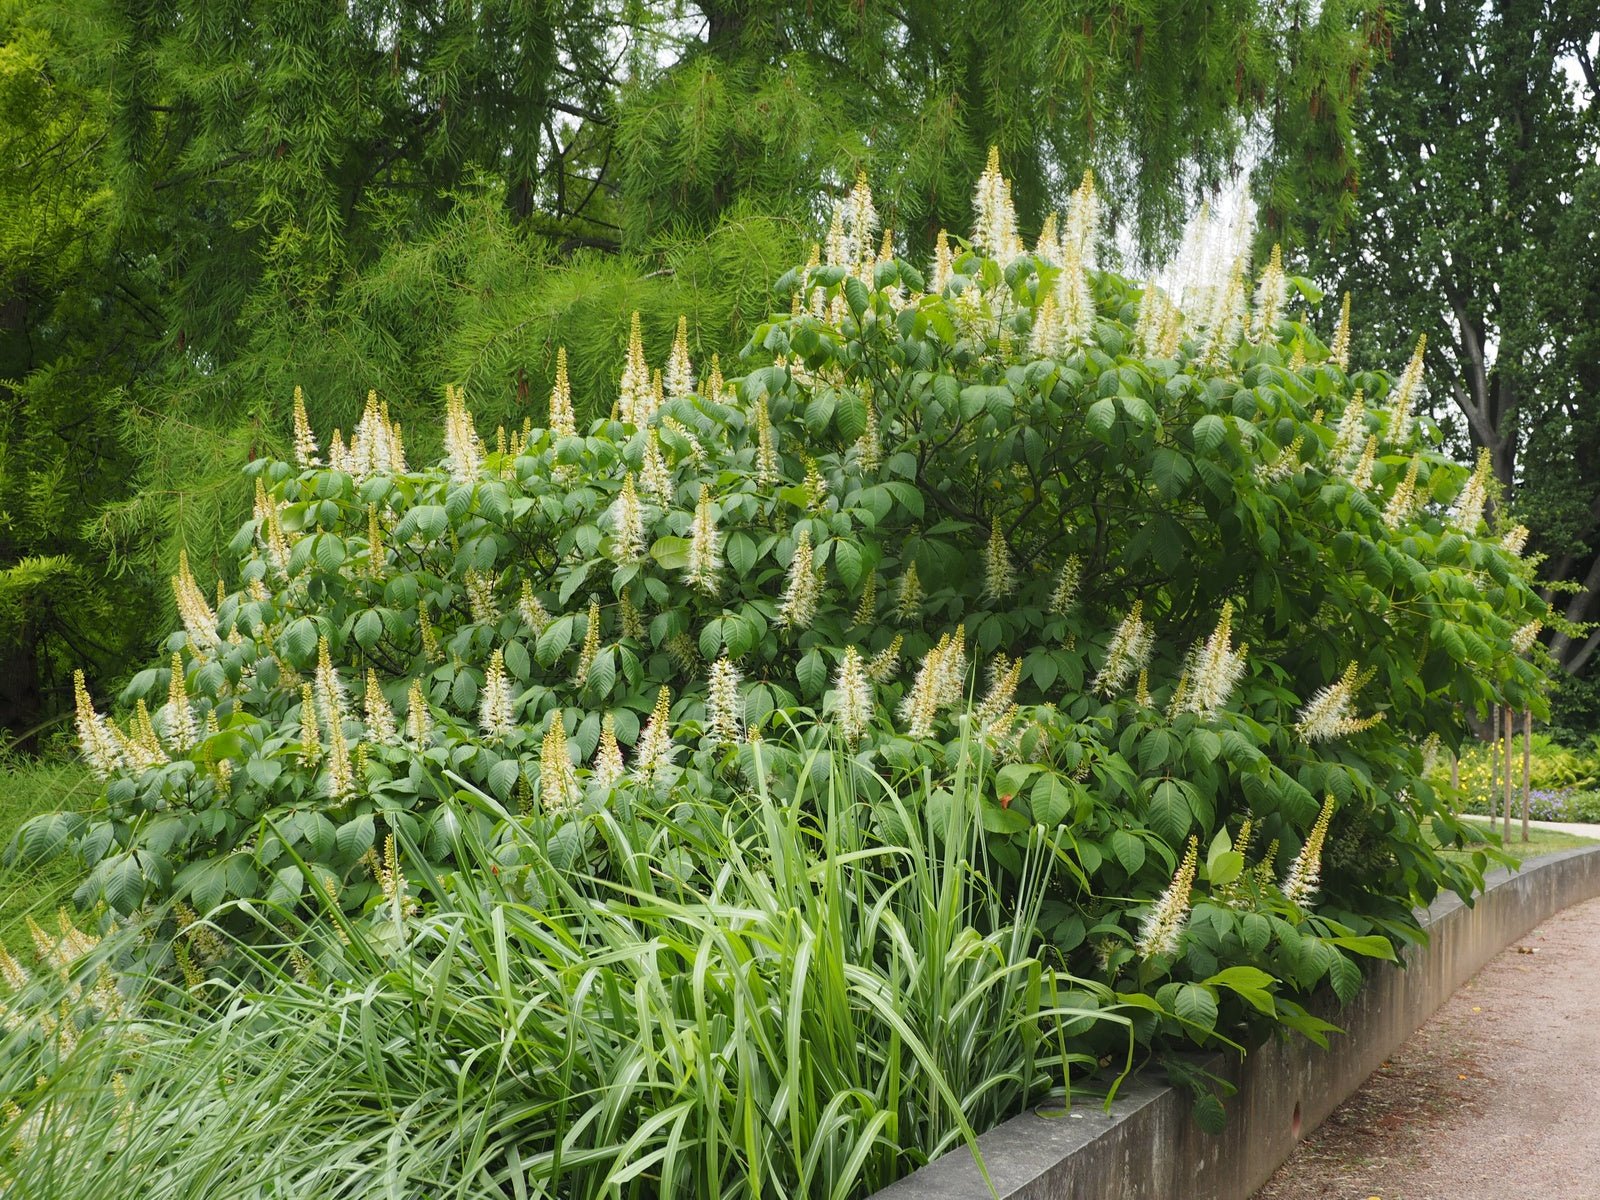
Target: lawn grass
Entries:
(1540, 841)
(29, 786)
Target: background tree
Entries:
(1479, 203)
(394, 194)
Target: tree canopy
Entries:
(1479, 202)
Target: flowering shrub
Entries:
(1189, 589)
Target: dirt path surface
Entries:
(1498, 1096)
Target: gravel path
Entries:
(1498, 1095)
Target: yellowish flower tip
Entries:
(1339, 352)
(654, 749)
(591, 644)
(1300, 884)
(310, 736)
(1406, 394)
(608, 765)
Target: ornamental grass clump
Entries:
(818, 1014)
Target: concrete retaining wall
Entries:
(1148, 1147)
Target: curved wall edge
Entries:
(1148, 1148)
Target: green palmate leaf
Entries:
(1209, 433)
(503, 777)
(1168, 811)
(554, 641)
(1196, 1005)
(850, 416)
(847, 560)
(812, 673)
(1345, 977)
(741, 550)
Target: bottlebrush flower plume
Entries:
(1339, 352)
(182, 729)
(627, 520)
(608, 766)
(419, 719)
(678, 379)
(563, 420)
(1214, 669)
(462, 447)
(1163, 924)
(724, 705)
(558, 782)
(494, 708)
(704, 547)
(655, 748)
(1330, 713)
(995, 227)
(1468, 512)
(305, 442)
(853, 699)
(1271, 292)
(99, 744)
(1300, 884)
(1406, 394)
(800, 594)
(377, 715)
(591, 645)
(1127, 653)
(999, 575)
(532, 612)
(885, 664)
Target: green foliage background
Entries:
(396, 196)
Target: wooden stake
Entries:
(1527, 768)
(1494, 757)
(1505, 747)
